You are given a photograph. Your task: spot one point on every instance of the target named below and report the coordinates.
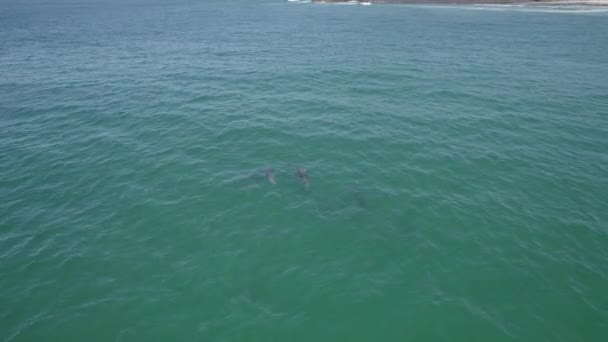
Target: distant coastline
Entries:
(471, 2)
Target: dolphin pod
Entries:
(268, 174)
(301, 173)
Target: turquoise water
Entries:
(458, 164)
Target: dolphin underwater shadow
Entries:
(360, 199)
(255, 178)
(347, 202)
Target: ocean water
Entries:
(457, 157)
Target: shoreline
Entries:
(474, 2)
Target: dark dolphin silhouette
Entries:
(303, 175)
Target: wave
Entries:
(565, 6)
(543, 8)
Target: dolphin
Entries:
(303, 175)
(270, 176)
(360, 199)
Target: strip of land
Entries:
(471, 2)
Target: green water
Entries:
(457, 156)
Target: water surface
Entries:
(457, 158)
